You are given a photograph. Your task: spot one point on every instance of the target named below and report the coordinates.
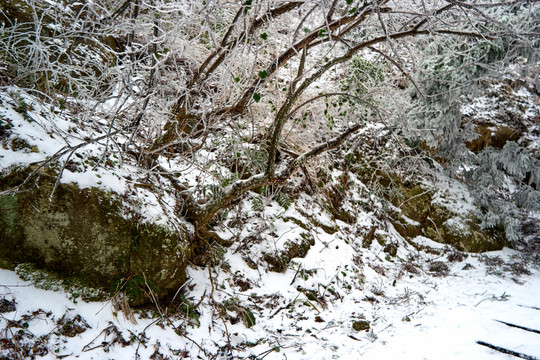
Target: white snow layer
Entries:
(412, 316)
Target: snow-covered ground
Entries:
(413, 313)
(344, 299)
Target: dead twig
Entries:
(507, 351)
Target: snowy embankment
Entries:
(344, 299)
(413, 313)
(38, 135)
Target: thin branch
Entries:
(290, 53)
(63, 151)
(401, 68)
(314, 152)
(331, 11)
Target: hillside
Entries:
(269, 179)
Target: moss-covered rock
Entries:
(495, 136)
(439, 268)
(421, 216)
(417, 214)
(299, 247)
(417, 203)
(361, 325)
(330, 229)
(465, 234)
(85, 234)
(390, 249)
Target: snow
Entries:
(43, 131)
(482, 105)
(427, 242)
(306, 311)
(464, 310)
(452, 195)
(33, 130)
(412, 316)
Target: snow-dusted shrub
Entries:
(54, 46)
(208, 95)
(503, 180)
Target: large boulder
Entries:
(421, 210)
(421, 215)
(87, 234)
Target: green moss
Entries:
(381, 238)
(6, 264)
(18, 144)
(331, 230)
(344, 216)
(16, 9)
(55, 282)
(361, 325)
(420, 216)
(189, 310)
(368, 239)
(468, 236)
(297, 222)
(496, 137)
(8, 205)
(298, 248)
(391, 249)
(138, 289)
(83, 234)
(417, 204)
(276, 263)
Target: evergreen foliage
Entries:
(503, 181)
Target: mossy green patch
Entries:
(419, 215)
(294, 248)
(83, 234)
(315, 223)
(74, 286)
(361, 325)
(442, 225)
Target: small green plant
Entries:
(189, 310)
(364, 73)
(218, 254)
(215, 190)
(283, 200)
(135, 288)
(5, 124)
(249, 318)
(22, 106)
(257, 204)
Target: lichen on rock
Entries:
(84, 234)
